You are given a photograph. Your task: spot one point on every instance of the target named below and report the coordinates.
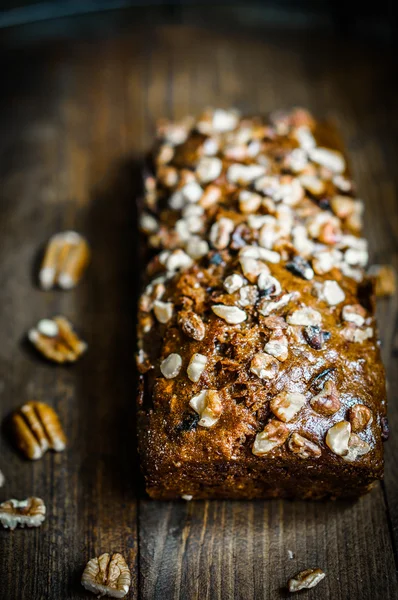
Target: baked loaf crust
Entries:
(258, 355)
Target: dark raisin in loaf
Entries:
(260, 367)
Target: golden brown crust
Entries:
(259, 287)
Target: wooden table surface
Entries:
(75, 119)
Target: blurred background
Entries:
(375, 21)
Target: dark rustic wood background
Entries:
(75, 118)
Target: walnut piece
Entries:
(305, 580)
(360, 416)
(231, 314)
(264, 365)
(191, 324)
(36, 429)
(30, 512)
(171, 365)
(66, 258)
(286, 405)
(208, 406)
(196, 367)
(327, 402)
(56, 340)
(107, 575)
(303, 447)
(273, 435)
(338, 437)
(356, 448)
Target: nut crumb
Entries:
(30, 512)
(305, 580)
(107, 576)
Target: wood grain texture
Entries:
(75, 120)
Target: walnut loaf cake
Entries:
(258, 355)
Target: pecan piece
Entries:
(36, 429)
(305, 580)
(107, 575)
(30, 512)
(303, 447)
(66, 258)
(359, 416)
(56, 340)
(273, 435)
(327, 402)
(192, 325)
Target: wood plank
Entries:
(76, 118)
(69, 133)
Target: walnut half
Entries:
(66, 258)
(30, 512)
(36, 429)
(56, 340)
(107, 576)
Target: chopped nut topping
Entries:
(196, 247)
(312, 184)
(299, 266)
(233, 283)
(211, 196)
(331, 159)
(286, 405)
(327, 402)
(385, 280)
(249, 202)
(148, 223)
(268, 285)
(30, 513)
(354, 257)
(304, 316)
(277, 346)
(338, 436)
(248, 295)
(36, 429)
(208, 169)
(66, 258)
(354, 313)
(178, 260)
(192, 325)
(163, 311)
(360, 416)
(251, 268)
(332, 293)
(231, 314)
(243, 174)
(357, 335)
(56, 340)
(266, 307)
(303, 447)
(107, 575)
(343, 206)
(273, 435)
(196, 367)
(170, 366)
(305, 580)
(356, 448)
(208, 406)
(220, 233)
(264, 366)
